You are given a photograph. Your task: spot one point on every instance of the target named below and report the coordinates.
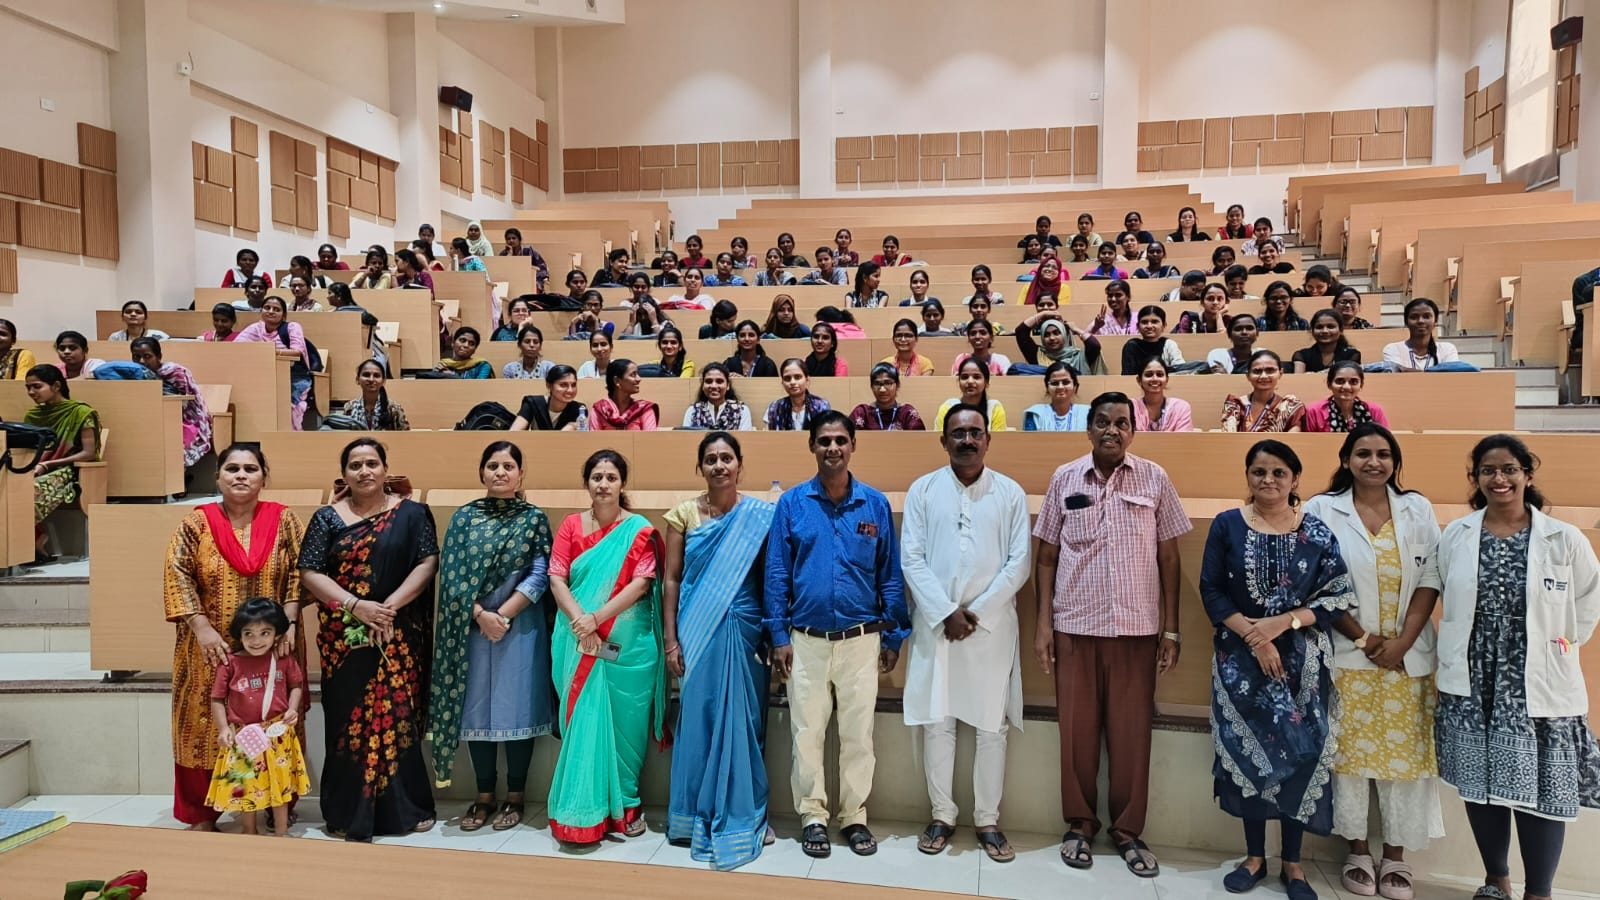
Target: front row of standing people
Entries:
(1323, 668)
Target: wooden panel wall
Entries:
(227, 183)
(1568, 85)
(530, 160)
(358, 180)
(1020, 154)
(1389, 136)
(1483, 116)
(46, 204)
(491, 159)
(708, 167)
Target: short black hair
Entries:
(254, 610)
(1110, 398)
(832, 417)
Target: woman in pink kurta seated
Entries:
(1344, 409)
(290, 341)
(618, 410)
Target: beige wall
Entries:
(335, 46)
(498, 77)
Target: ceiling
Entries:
(559, 13)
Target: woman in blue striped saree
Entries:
(713, 643)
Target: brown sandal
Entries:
(509, 816)
(636, 828)
(476, 816)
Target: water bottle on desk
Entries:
(774, 492)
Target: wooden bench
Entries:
(1303, 194)
(1438, 250)
(1476, 298)
(1531, 317)
(1336, 204)
(1484, 400)
(146, 459)
(1386, 260)
(16, 514)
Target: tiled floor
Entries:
(963, 869)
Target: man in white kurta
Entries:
(964, 553)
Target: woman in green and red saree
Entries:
(369, 559)
(606, 659)
(77, 429)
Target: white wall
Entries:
(1289, 56)
(42, 62)
(498, 97)
(900, 66)
(688, 71)
(1489, 21)
(337, 46)
(215, 247)
(90, 21)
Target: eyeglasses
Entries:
(1346, 301)
(833, 442)
(1507, 471)
(967, 434)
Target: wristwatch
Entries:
(1172, 636)
(1294, 622)
(1361, 642)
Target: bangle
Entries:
(1172, 636)
(671, 648)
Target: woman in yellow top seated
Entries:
(14, 361)
(906, 360)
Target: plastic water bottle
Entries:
(774, 492)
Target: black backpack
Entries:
(487, 416)
(551, 302)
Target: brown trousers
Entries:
(1105, 686)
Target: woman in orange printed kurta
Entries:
(218, 558)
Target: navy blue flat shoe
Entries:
(1241, 880)
(1298, 888)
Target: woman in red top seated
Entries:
(328, 259)
(1343, 409)
(246, 261)
(693, 254)
(891, 255)
(1236, 228)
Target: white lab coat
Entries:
(1416, 532)
(1563, 603)
(964, 546)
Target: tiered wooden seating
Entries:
(16, 514)
(1369, 221)
(1477, 288)
(1302, 206)
(1439, 249)
(1336, 204)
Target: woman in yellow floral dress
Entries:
(222, 555)
(1384, 662)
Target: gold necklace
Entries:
(1253, 514)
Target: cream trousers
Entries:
(824, 672)
(988, 771)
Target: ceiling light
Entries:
(439, 6)
(514, 16)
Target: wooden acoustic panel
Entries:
(8, 271)
(1057, 139)
(710, 165)
(1244, 153)
(463, 122)
(1021, 140)
(1354, 121)
(369, 160)
(1053, 164)
(339, 188)
(305, 158)
(1218, 140)
(789, 162)
(282, 206)
(1149, 160)
(1181, 157)
(541, 131)
(994, 154)
(449, 172)
(197, 160)
(1346, 148)
(1391, 119)
(1254, 128)
(213, 203)
(100, 215)
(573, 182)
(1419, 133)
(1085, 149)
(97, 147)
(60, 184)
(1158, 134)
(469, 164)
(939, 144)
(364, 194)
(344, 158)
(100, 219)
(1292, 125)
(1382, 147)
(8, 221)
(1471, 82)
(19, 174)
(883, 146)
(246, 137)
(1191, 131)
(49, 228)
(1317, 142)
(733, 173)
(281, 161)
(246, 192)
(1286, 152)
(852, 148)
(387, 202)
(969, 143)
(963, 168)
(219, 167)
(338, 221)
(305, 202)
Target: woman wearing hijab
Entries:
(476, 242)
(1048, 281)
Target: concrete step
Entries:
(44, 630)
(15, 767)
(59, 586)
(1550, 417)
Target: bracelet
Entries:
(670, 648)
(1172, 636)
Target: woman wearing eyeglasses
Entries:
(1521, 594)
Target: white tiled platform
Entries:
(963, 869)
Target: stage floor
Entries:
(526, 861)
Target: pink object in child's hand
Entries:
(252, 741)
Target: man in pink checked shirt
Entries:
(1106, 575)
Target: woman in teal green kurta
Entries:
(603, 578)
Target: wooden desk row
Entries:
(1484, 401)
(861, 355)
(127, 630)
(144, 452)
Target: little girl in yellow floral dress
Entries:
(255, 702)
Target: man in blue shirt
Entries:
(836, 611)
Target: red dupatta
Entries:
(263, 536)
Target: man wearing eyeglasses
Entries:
(835, 607)
(1106, 574)
(964, 553)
